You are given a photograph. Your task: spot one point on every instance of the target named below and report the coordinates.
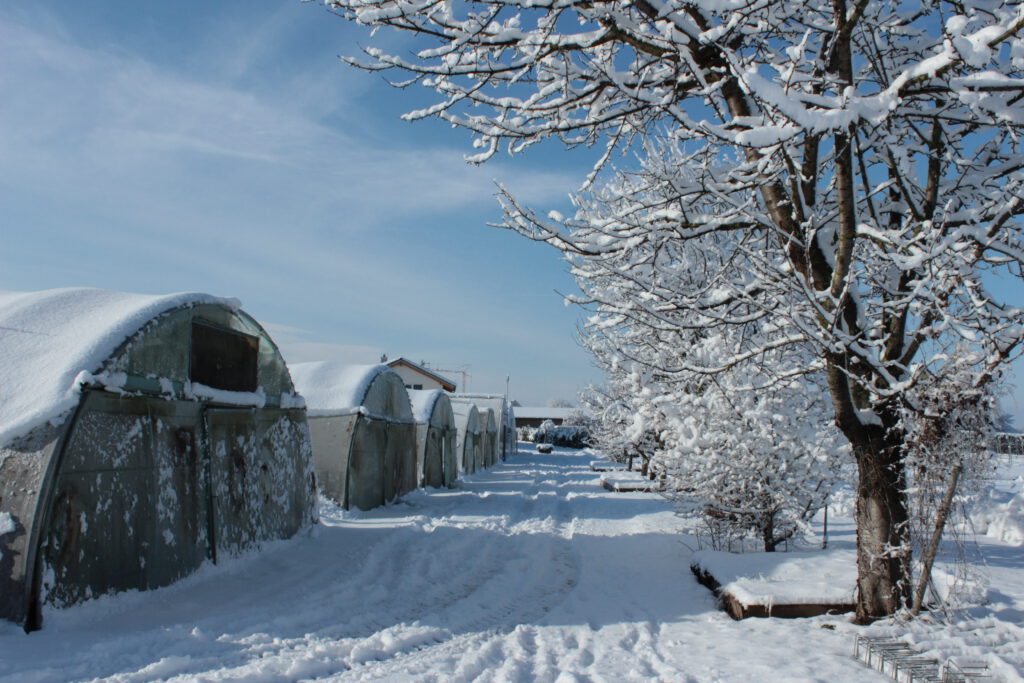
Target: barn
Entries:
(363, 432)
(140, 436)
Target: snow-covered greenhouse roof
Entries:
(52, 341)
(335, 388)
(423, 402)
(467, 417)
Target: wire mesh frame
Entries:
(895, 658)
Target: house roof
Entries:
(446, 383)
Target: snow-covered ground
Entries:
(527, 572)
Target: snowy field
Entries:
(528, 572)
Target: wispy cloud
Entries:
(133, 174)
(175, 152)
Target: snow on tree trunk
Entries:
(883, 579)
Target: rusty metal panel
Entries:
(433, 456)
(285, 480)
(128, 508)
(26, 468)
(232, 444)
(261, 477)
(332, 445)
(367, 481)
(402, 457)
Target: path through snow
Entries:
(527, 572)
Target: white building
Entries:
(419, 378)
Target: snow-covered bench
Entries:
(623, 481)
(787, 585)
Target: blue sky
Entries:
(223, 147)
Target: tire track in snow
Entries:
(541, 569)
(436, 584)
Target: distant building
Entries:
(419, 378)
(534, 416)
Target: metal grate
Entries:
(896, 659)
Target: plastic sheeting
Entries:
(365, 453)
(435, 438)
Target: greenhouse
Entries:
(488, 437)
(363, 432)
(436, 461)
(505, 436)
(140, 436)
(468, 441)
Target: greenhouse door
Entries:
(232, 450)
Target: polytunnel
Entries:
(140, 436)
(435, 438)
(505, 436)
(468, 441)
(363, 432)
(488, 436)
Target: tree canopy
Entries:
(840, 177)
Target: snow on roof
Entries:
(423, 402)
(467, 417)
(422, 370)
(49, 338)
(332, 387)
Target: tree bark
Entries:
(883, 547)
(883, 567)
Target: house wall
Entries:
(415, 380)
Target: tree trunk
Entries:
(883, 567)
(883, 545)
(768, 532)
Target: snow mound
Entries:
(1001, 519)
(49, 339)
(794, 578)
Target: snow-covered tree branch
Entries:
(848, 176)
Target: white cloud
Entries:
(172, 152)
(145, 177)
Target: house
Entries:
(419, 378)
